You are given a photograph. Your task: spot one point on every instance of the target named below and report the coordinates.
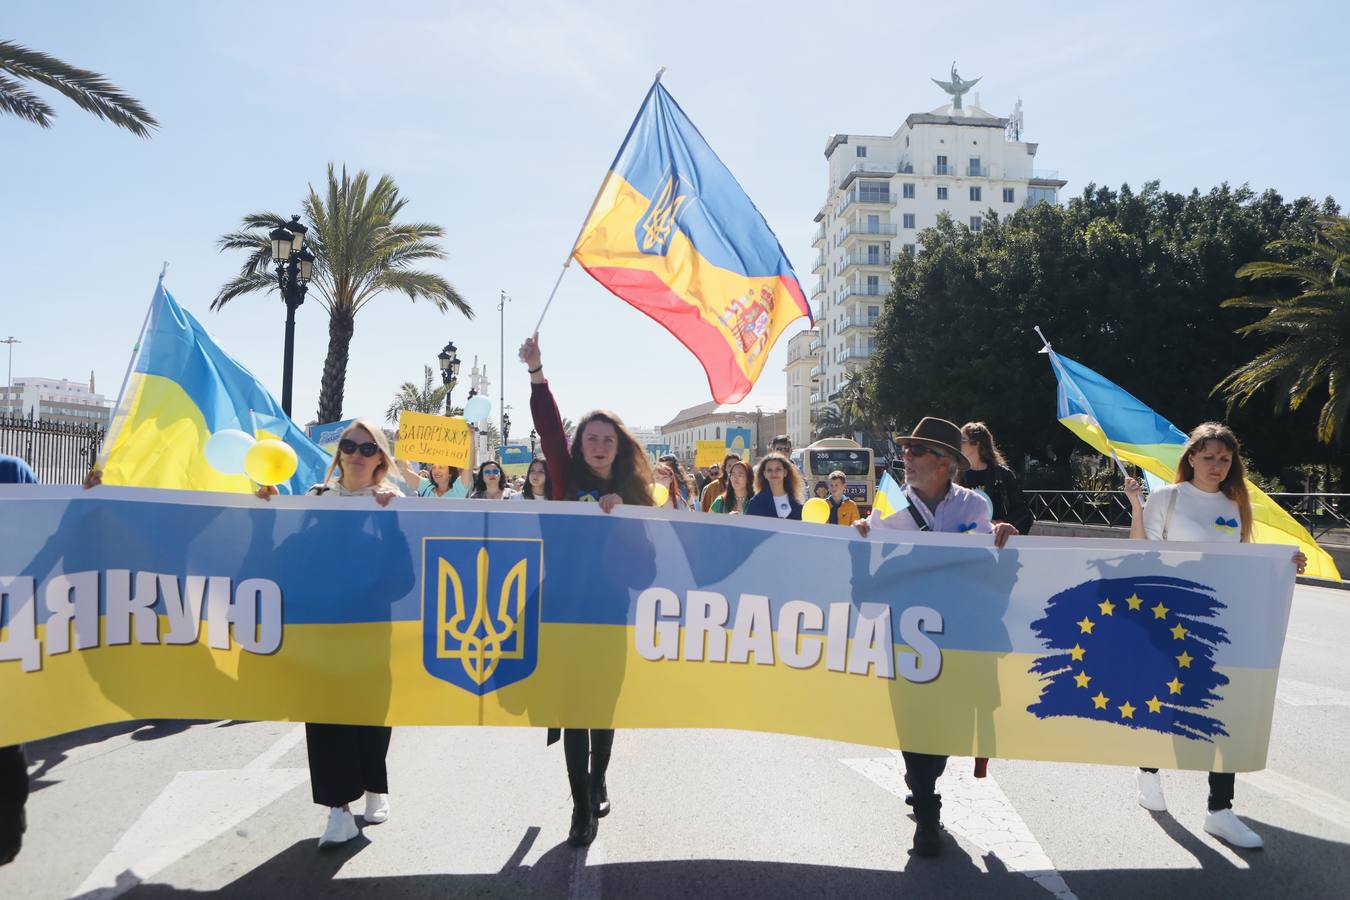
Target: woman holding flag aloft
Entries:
(1207, 501)
(606, 465)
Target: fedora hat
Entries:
(938, 434)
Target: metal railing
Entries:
(858, 322)
(867, 259)
(819, 263)
(58, 453)
(864, 229)
(864, 291)
(1319, 513)
(854, 353)
(820, 234)
(876, 198)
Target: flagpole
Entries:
(598, 193)
(119, 414)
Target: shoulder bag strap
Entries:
(918, 518)
(1171, 506)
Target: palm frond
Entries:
(17, 100)
(88, 90)
(243, 284)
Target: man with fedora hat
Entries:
(933, 459)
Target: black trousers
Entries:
(1221, 786)
(587, 751)
(13, 796)
(345, 761)
(921, 775)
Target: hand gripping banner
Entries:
(121, 604)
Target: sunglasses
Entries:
(492, 471)
(349, 447)
(918, 451)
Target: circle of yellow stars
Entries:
(1133, 603)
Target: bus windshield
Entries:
(850, 462)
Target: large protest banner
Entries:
(121, 603)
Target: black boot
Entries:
(928, 827)
(599, 797)
(585, 825)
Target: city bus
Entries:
(827, 455)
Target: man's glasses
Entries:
(917, 451)
(349, 447)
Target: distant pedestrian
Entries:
(490, 483)
(778, 489)
(843, 511)
(537, 485)
(739, 488)
(990, 475)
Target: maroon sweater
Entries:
(552, 439)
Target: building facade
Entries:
(56, 400)
(803, 380)
(710, 421)
(882, 191)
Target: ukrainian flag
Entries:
(890, 499)
(181, 389)
(1112, 420)
(673, 234)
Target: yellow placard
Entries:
(433, 439)
(709, 453)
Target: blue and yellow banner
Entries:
(181, 390)
(515, 458)
(121, 604)
(673, 234)
(1112, 420)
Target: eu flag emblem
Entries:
(480, 610)
(1137, 652)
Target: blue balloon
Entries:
(477, 409)
(225, 450)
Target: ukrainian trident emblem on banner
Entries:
(480, 610)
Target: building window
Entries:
(873, 285)
(974, 223)
(861, 151)
(717, 432)
(873, 312)
(874, 224)
(1008, 195)
(975, 194)
(909, 220)
(874, 191)
(908, 248)
(974, 166)
(941, 167)
(907, 191)
(942, 193)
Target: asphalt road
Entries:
(146, 810)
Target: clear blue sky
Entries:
(498, 121)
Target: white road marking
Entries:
(1306, 797)
(1303, 693)
(978, 811)
(195, 808)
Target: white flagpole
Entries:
(120, 413)
(1050, 350)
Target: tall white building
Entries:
(883, 189)
(56, 400)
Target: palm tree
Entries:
(829, 422)
(1314, 324)
(857, 401)
(429, 398)
(360, 252)
(88, 90)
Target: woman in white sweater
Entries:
(1207, 501)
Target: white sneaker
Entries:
(1225, 825)
(377, 808)
(341, 827)
(1150, 791)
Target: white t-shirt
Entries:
(1197, 516)
(783, 506)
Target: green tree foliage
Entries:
(428, 398)
(361, 253)
(88, 90)
(1130, 284)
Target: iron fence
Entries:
(1319, 513)
(59, 453)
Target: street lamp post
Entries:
(449, 360)
(295, 267)
(506, 428)
(533, 437)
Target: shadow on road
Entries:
(50, 752)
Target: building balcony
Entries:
(1045, 175)
(866, 259)
(818, 372)
(862, 290)
(818, 290)
(818, 267)
(978, 171)
(817, 397)
(820, 235)
(858, 322)
(814, 346)
(875, 231)
(848, 353)
(854, 198)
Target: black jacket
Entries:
(1000, 484)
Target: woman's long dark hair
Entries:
(528, 489)
(631, 475)
(681, 477)
(1234, 486)
(729, 499)
(792, 480)
(979, 434)
(480, 486)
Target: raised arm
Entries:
(547, 420)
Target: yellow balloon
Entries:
(660, 494)
(270, 462)
(816, 510)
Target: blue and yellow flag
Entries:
(1113, 421)
(181, 390)
(890, 499)
(673, 234)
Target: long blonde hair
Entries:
(386, 465)
(1234, 485)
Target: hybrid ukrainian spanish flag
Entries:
(673, 234)
(183, 388)
(1111, 419)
